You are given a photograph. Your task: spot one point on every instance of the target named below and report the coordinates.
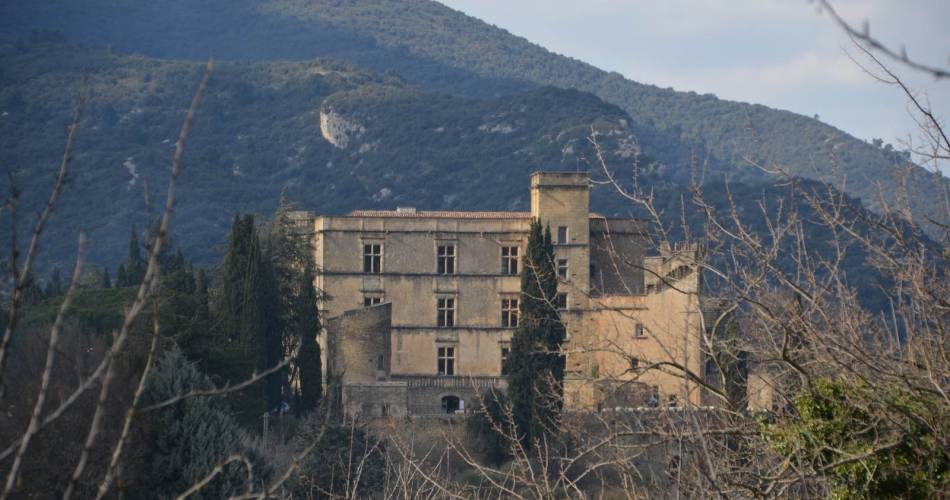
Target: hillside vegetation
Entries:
(438, 48)
(259, 132)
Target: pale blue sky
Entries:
(781, 53)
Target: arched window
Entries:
(450, 404)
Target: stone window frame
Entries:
(562, 268)
(446, 311)
(510, 263)
(372, 299)
(563, 235)
(446, 258)
(446, 359)
(372, 257)
(639, 330)
(504, 350)
(510, 311)
(562, 301)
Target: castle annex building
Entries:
(420, 307)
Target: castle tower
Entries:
(561, 200)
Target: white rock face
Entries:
(130, 165)
(337, 129)
(500, 128)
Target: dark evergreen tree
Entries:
(32, 293)
(121, 277)
(290, 254)
(188, 439)
(134, 264)
(237, 328)
(308, 357)
(537, 364)
(106, 281)
(178, 275)
(272, 330)
(249, 313)
(201, 295)
(54, 288)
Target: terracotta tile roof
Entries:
(447, 214)
(440, 214)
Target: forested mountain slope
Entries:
(335, 137)
(442, 49)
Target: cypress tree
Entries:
(134, 264)
(272, 330)
(201, 296)
(535, 383)
(121, 277)
(55, 286)
(250, 315)
(308, 358)
(106, 281)
(178, 275)
(32, 293)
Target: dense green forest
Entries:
(438, 48)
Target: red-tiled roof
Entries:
(440, 214)
(447, 214)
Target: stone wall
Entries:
(617, 250)
(380, 399)
(359, 345)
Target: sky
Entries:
(785, 54)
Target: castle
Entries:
(420, 306)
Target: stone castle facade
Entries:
(420, 307)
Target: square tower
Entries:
(561, 200)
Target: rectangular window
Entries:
(638, 331)
(446, 360)
(509, 260)
(372, 258)
(505, 352)
(372, 300)
(561, 301)
(509, 313)
(445, 261)
(446, 312)
(562, 235)
(562, 269)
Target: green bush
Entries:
(875, 442)
(346, 461)
(482, 428)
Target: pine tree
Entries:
(308, 358)
(535, 384)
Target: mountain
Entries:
(335, 137)
(437, 48)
